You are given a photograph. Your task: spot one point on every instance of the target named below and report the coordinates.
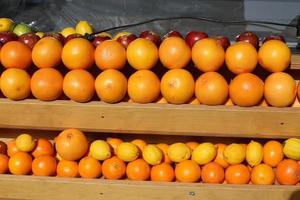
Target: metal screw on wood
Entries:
(192, 193)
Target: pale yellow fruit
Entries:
(104, 34)
(234, 153)
(178, 152)
(291, 148)
(25, 143)
(58, 157)
(254, 153)
(204, 153)
(84, 27)
(152, 154)
(100, 150)
(127, 151)
(121, 34)
(68, 31)
(6, 24)
(40, 34)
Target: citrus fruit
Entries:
(187, 171)
(164, 148)
(89, 167)
(174, 53)
(127, 152)
(44, 166)
(71, 144)
(114, 168)
(47, 53)
(280, 89)
(138, 170)
(110, 54)
(40, 34)
(220, 155)
(15, 84)
(192, 145)
(162, 172)
(12, 148)
(43, 147)
(6, 24)
(234, 153)
(237, 174)
(79, 85)
(3, 163)
(15, 54)
(47, 84)
(142, 54)
(78, 53)
(241, 57)
(141, 144)
(211, 89)
(143, 86)
(262, 174)
(273, 153)
(100, 150)
(114, 143)
(178, 152)
(20, 163)
(212, 173)
(288, 172)
(67, 168)
(274, 56)
(104, 34)
(254, 153)
(291, 148)
(152, 154)
(68, 31)
(119, 34)
(177, 86)
(208, 55)
(83, 27)
(246, 89)
(25, 142)
(204, 153)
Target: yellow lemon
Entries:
(25, 142)
(204, 153)
(178, 152)
(291, 148)
(6, 24)
(84, 27)
(152, 154)
(100, 150)
(127, 151)
(68, 31)
(121, 34)
(104, 34)
(40, 34)
(234, 153)
(254, 153)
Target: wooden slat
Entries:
(51, 188)
(295, 61)
(200, 120)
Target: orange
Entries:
(177, 86)
(174, 53)
(67, 168)
(113, 168)
(208, 55)
(15, 54)
(138, 170)
(110, 54)
(12, 148)
(43, 147)
(288, 172)
(111, 86)
(47, 52)
(143, 86)
(15, 84)
(162, 172)
(220, 156)
(241, 57)
(194, 101)
(262, 174)
(212, 173)
(280, 89)
(274, 56)
(78, 53)
(3, 163)
(47, 84)
(273, 153)
(164, 148)
(188, 171)
(79, 85)
(237, 174)
(142, 54)
(211, 89)
(246, 90)
(44, 166)
(114, 143)
(139, 143)
(89, 167)
(20, 163)
(192, 145)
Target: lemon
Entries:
(84, 27)
(68, 31)
(127, 151)
(6, 24)
(152, 154)
(104, 34)
(234, 153)
(204, 153)
(178, 152)
(291, 148)
(25, 142)
(254, 153)
(121, 34)
(100, 150)
(40, 34)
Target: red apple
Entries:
(57, 36)
(72, 36)
(30, 39)
(126, 39)
(192, 37)
(7, 37)
(274, 37)
(99, 39)
(248, 37)
(172, 34)
(3, 148)
(223, 41)
(152, 36)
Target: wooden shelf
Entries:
(52, 188)
(295, 61)
(197, 120)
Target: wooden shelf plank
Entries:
(295, 61)
(198, 120)
(51, 188)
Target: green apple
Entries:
(21, 29)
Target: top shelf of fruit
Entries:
(214, 57)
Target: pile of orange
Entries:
(74, 158)
(176, 86)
